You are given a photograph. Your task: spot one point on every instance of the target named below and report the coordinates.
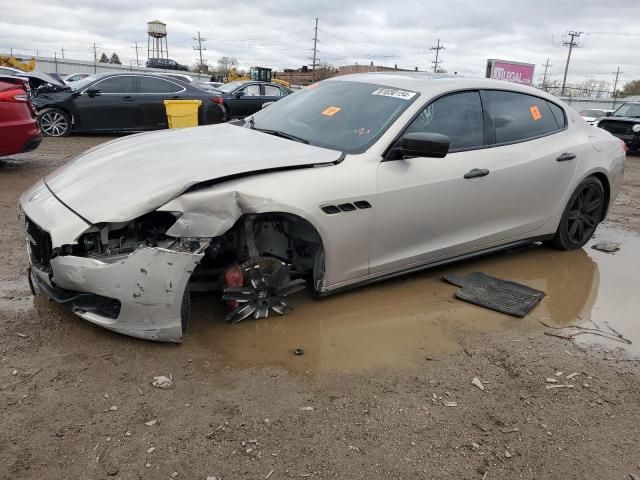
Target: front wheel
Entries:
(54, 122)
(581, 216)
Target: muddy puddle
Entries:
(398, 323)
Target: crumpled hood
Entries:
(121, 180)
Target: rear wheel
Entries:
(54, 122)
(581, 216)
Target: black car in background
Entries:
(625, 124)
(244, 97)
(117, 102)
(166, 64)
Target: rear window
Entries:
(518, 117)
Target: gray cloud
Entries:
(278, 33)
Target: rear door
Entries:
(113, 108)
(152, 92)
(273, 93)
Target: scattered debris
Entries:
(475, 446)
(298, 351)
(476, 381)
(549, 387)
(269, 474)
(606, 247)
(162, 382)
(307, 409)
(509, 429)
(150, 449)
(552, 380)
(174, 474)
(113, 408)
(14, 373)
(574, 374)
(151, 423)
(559, 374)
(576, 422)
(127, 433)
(507, 454)
(21, 335)
(586, 331)
(450, 404)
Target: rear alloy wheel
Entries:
(581, 216)
(54, 122)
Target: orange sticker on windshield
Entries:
(331, 111)
(535, 112)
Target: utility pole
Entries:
(546, 66)
(55, 60)
(315, 52)
(570, 43)
(137, 48)
(95, 58)
(62, 51)
(615, 86)
(199, 47)
(437, 63)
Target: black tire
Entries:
(185, 309)
(54, 122)
(581, 216)
(225, 113)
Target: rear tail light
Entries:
(16, 95)
(217, 100)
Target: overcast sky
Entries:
(279, 34)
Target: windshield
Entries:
(228, 87)
(593, 113)
(628, 110)
(344, 116)
(80, 84)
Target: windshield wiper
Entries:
(278, 133)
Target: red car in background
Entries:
(19, 128)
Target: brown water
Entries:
(400, 322)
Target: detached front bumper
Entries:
(141, 294)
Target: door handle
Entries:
(566, 157)
(477, 172)
(128, 98)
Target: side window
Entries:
(559, 115)
(158, 85)
(121, 84)
(458, 116)
(271, 91)
(252, 91)
(517, 116)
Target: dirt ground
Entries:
(383, 390)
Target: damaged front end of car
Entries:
(136, 277)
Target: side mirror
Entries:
(266, 104)
(422, 144)
(92, 92)
(608, 114)
(239, 94)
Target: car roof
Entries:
(431, 84)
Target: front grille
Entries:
(619, 128)
(40, 247)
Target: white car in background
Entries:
(593, 115)
(351, 180)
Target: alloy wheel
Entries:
(585, 213)
(53, 124)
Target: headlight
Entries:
(636, 128)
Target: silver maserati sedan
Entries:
(351, 180)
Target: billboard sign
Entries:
(514, 72)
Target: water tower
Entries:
(157, 46)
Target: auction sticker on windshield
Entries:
(331, 111)
(394, 93)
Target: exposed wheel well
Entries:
(607, 191)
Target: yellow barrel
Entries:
(182, 113)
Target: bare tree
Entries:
(630, 88)
(225, 64)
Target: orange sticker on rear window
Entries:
(535, 112)
(331, 111)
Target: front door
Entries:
(245, 101)
(113, 107)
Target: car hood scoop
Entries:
(128, 177)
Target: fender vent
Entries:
(347, 207)
(330, 209)
(362, 204)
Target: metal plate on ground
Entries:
(496, 294)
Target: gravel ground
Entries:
(77, 402)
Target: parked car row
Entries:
(624, 123)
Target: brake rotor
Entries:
(267, 282)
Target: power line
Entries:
(436, 63)
(570, 43)
(199, 47)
